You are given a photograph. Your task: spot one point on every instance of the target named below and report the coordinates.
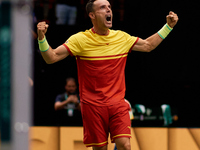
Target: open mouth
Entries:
(108, 18)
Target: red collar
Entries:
(99, 34)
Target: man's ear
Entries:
(91, 15)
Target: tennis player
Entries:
(101, 55)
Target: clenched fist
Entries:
(172, 19)
(42, 29)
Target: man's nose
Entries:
(108, 9)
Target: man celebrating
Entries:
(101, 55)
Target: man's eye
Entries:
(102, 7)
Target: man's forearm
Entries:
(46, 50)
(154, 41)
(52, 55)
(48, 56)
(158, 37)
(61, 105)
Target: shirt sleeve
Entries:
(73, 45)
(60, 98)
(131, 40)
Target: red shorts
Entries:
(98, 121)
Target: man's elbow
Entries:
(56, 107)
(147, 50)
(148, 47)
(50, 61)
(49, 58)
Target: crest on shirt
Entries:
(66, 42)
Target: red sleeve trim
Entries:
(68, 49)
(133, 45)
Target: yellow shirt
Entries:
(101, 62)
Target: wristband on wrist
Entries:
(43, 45)
(164, 31)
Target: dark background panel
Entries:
(169, 74)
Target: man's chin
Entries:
(109, 25)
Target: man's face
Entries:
(70, 87)
(103, 13)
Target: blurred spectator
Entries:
(70, 12)
(66, 12)
(67, 105)
(44, 10)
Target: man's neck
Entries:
(101, 31)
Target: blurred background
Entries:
(168, 75)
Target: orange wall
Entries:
(70, 138)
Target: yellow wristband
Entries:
(164, 31)
(43, 45)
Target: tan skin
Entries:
(143, 45)
(102, 9)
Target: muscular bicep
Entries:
(141, 45)
(57, 54)
(61, 52)
(148, 44)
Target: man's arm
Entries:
(60, 105)
(153, 41)
(71, 99)
(50, 55)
